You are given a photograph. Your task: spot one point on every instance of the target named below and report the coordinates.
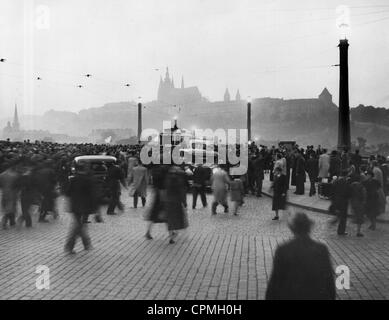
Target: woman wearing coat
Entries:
(236, 194)
(279, 192)
(372, 199)
(157, 212)
(358, 202)
(176, 214)
(324, 165)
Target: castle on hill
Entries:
(169, 94)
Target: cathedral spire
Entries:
(182, 83)
(237, 98)
(15, 124)
(227, 95)
(167, 76)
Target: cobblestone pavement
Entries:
(218, 257)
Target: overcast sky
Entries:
(263, 48)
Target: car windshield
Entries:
(97, 166)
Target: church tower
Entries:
(237, 98)
(325, 96)
(15, 124)
(182, 83)
(227, 97)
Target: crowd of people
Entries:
(37, 172)
(344, 177)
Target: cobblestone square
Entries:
(217, 257)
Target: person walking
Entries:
(138, 183)
(27, 195)
(236, 194)
(312, 168)
(340, 201)
(259, 167)
(83, 201)
(176, 214)
(279, 192)
(200, 177)
(372, 208)
(358, 201)
(302, 268)
(157, 210)
(379, 176)
(10, 186)
(46, 182)
(220, 182)
(115, 178)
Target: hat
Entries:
(301, 224)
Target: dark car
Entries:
(98, 167)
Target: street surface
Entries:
(217, 257)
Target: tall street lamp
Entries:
(344, 135)
(249, 118)
(139, 118)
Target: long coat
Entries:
(175, 185)
(82, 194)
(220, 182)
(9, 184)
(324, 165)
(358, 201)
(157, 211)
(302, 270)
(138, 180)
(372, 199)
(237, 190)
(279, 188)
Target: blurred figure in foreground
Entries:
(83, 201)
(358, 201)
(27, 195)
(372, 207)
(46, 181)
(340, 201)
(157, 212)
(236, 194)
(220, 182)
(175, 198)
(9, 184)
(115, 177)
(302, 267)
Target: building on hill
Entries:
(227, 97)
(169, 94)
(237, 97)
(12, 131)
(325, 96)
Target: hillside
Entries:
(308, 121)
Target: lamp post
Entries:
(139, 118)
(344, 135)
(249, 118)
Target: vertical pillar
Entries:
(139, 120)
(344, 136)
(249, 121)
